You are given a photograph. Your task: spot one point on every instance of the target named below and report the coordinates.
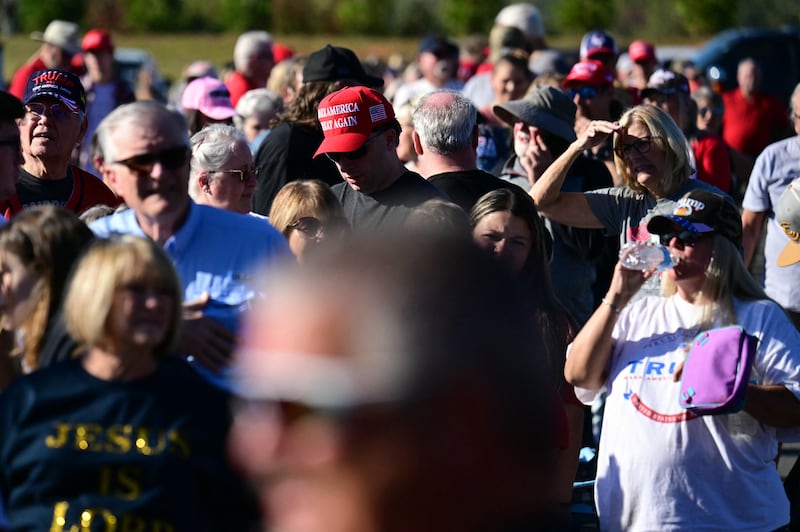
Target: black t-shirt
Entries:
(467, 186)
(388, 208)
(149, 453)
(287, 155)
(34, 191)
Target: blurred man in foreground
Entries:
(383, 396)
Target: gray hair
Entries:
(144, 113)
(257, 102)
(212, 148)
(795, 94)
(445, 125)
(247, 43)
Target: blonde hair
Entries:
(726, 278)
(669, 137)
(303, 198)
(107, 265)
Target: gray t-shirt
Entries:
(776, 167)
(625, 212)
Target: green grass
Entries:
(173, 52)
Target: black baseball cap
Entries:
(702, 211)
(334, 63)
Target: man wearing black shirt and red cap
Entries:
(288, 152)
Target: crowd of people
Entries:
(315, 293)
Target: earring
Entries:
(207, 190)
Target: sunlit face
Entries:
(747, 75)
(254, 125)
(52, 56)
(52, 135)
(310, 229)
(405, 145)
(18, 290)
(161, 190)
(10, 159)
(507, 237)
(709, 118)
(646, 168)
(692, 260)
(594, 107)
(364, 173)
(310, 471)
(140, 315)
(671, 103)
(99, 64)
(231, 187)
(795, 113)
(509, 82)
(261, 62)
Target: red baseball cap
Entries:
(642, 51)
(591, 72)
(349, 116)
(97, 41)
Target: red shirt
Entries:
(751, 125)
(20, 79)
(238, 85)
(713, 160)
(87, 191)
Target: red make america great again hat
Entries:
(349, 116)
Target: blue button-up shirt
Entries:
(214, 251)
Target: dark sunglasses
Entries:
(715, 111)
(685, 238)
(312, 227)
(352, 155)
(641, 145)
(243, 174)
(585, 92)
(171, 159)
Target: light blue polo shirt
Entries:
(214, 251)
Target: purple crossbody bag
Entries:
(717, 371)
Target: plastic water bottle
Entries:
(644, 256)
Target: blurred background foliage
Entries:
(658, 20)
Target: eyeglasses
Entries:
(171, 159)
(641, 145)
(59, 111)
(585, 92)
(685, 238)
(352, 155)
(715, 111)
(243, 174)
(312, 227)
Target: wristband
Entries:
(611, 306)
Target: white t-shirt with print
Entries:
(660, 468)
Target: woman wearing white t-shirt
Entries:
(660, 466)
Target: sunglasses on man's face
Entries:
(337, 157)
(585, 92)
(170, 159)
(685, 238)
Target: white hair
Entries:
(142, 112)
(257, 102)
(212, 148)
(248, 43)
